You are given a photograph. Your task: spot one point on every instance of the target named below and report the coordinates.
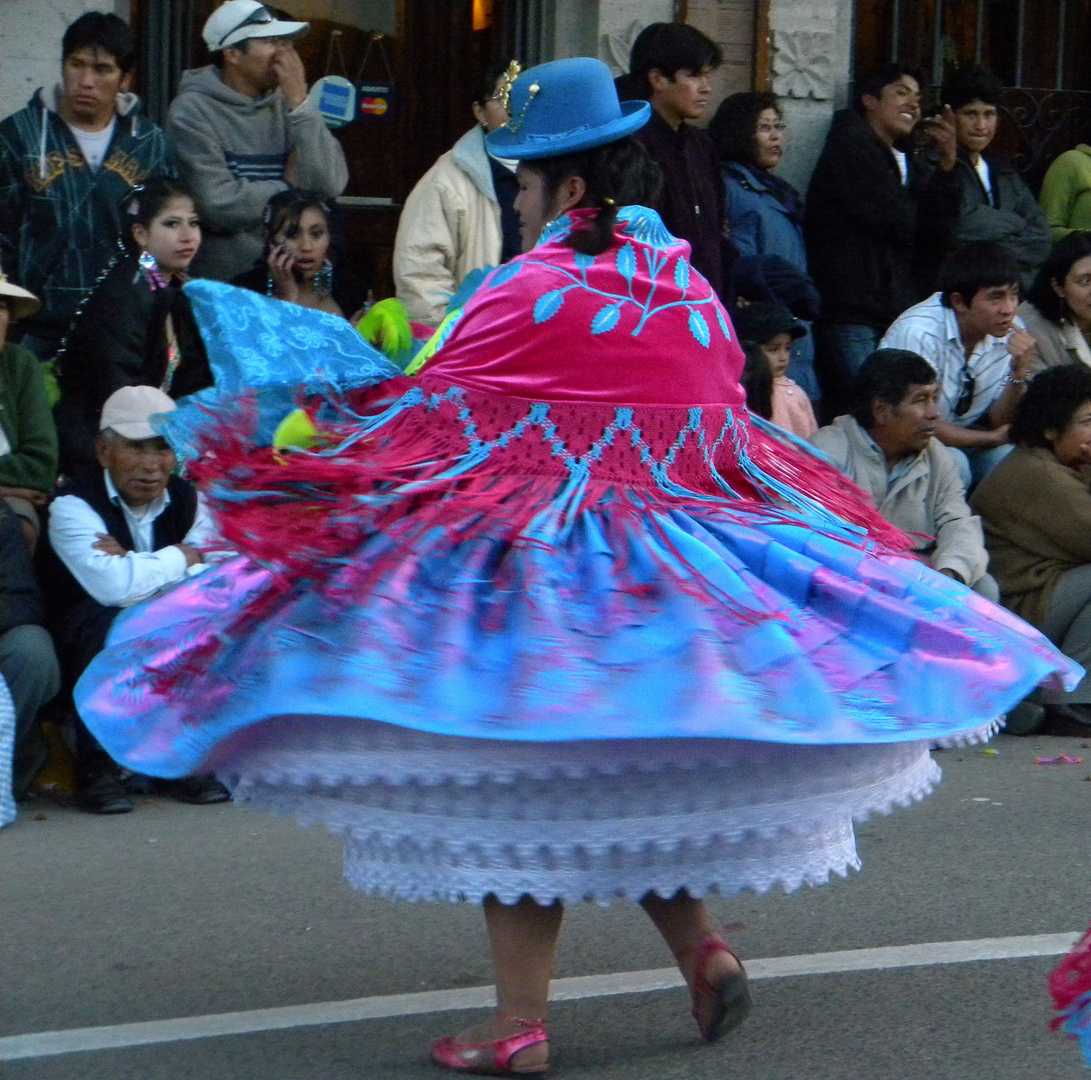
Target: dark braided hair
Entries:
(617, 174)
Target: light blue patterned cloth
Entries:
(7, 750)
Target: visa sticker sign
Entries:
(376, 100)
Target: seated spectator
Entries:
(877, 223)
(669, 65)
(773, 330)
(888, 447)
(119, 533)
(757, 382)
(764, 213)
(997, 205)
(297, 264)
(1036, 510)
(460, 216)
(28, 440)
(1065, 197)
(136, 328)
(66, 161)
(970, 334)
(1057, 311)
(243, 129)
(28, 663)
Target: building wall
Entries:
(30, 43)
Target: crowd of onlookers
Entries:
(920, 304)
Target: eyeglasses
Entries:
(966, 398)
(261, 16)
(766, 129)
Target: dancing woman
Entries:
(555, 620)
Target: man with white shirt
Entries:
(969, 332)
(66, 162)
(121, 532)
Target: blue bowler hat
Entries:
(563, 107)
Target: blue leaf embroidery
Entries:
(606, 319)
(547, 306)
(681, 273)
(626, 262)
(698, 327)
(583, 261)
(723, 324)
(505, 273)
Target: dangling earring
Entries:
(269, 286)
(323, 280)
(150, 267)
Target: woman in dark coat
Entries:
(136, 328)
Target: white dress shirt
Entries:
(931, 330)
(116, 580)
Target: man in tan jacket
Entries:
(889, 448)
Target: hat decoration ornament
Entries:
(503, 87)
(516, 122)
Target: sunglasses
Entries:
(260, 17)
(966, 398)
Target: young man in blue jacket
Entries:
(66, 162)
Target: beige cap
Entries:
(20, 302)
(128, 411)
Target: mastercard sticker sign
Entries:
(376, 100)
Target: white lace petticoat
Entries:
(430, 817)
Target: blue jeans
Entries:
(841, 349)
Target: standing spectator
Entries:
(772, 329)
(299, 264)
(764, 213)
(1036, 509)
(461, 214)
(28, 440)
(1066, 192)
(888, 447)
(66, 161)
(669, 65)
(996, 205)
(243, 129)
(1057, 311)
(876, 222)
(969, 332)
(136, 328)
(120, 532)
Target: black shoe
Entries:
(199, 790)
(103, 794)
(1071, 720)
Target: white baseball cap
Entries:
(129, 410)
(239, 20)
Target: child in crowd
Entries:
(298, 264)
(771, 329)
(136, 328)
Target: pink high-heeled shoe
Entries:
(720, 1009)
(492, 1058)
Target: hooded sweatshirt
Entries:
(60, 221)
(233, 150)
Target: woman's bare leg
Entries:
(523, 940)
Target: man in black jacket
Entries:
(118, 533)
(997, 206)
(876, 225)
(670, 65)
(27, 660)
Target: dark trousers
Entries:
(81, 636)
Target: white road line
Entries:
(119, 1036)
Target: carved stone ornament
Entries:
(617, 46)
(802, 64)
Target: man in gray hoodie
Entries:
(243, 129)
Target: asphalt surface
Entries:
(177, 911)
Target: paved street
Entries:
(177, 912)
